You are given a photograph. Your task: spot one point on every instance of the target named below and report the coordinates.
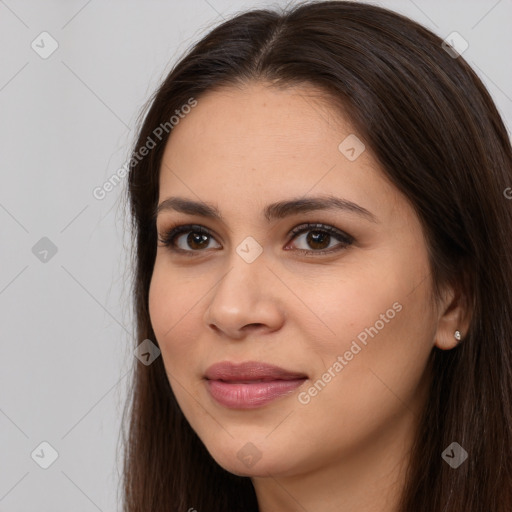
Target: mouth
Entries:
(251, 381)
(251, 384)
(249, 371)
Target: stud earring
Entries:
(457, 335)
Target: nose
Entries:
(246, 299)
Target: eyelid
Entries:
(311, 226)
(177, 229)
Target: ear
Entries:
(453, 315)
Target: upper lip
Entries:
(248, 371)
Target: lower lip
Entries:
(250, 396)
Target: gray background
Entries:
(67, 123)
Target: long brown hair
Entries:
(438, 136)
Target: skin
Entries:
(240, 149)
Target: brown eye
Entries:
(318, 238)
(197, 238)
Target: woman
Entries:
(323, 257)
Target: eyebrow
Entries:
(273, 211)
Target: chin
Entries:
(248, 460)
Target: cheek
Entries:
(173, 312)
(383, 334)
(343, 303)
(379, 320)
(382, 295)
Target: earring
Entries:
(457, 335)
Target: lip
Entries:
(250, 384)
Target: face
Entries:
(338, 297)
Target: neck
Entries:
(369, 479)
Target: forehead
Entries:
(240, 143)
(258, 114)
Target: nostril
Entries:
(253, 326)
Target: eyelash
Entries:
(171, 233)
